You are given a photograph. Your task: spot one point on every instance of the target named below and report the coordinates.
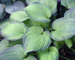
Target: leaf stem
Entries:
(65, 57)
(73, 50)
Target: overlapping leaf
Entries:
(30, 58)
(64, 28)
(52, 4)
(49, 54)
(1, 10)
(69, 43)
(31, 1)
(14, 31)
(13, 53)
(70, 13)
(68, 3)
(38, 12)
(37, 23)
(36, 39)
(4, 23)
(19, 16)
(17, 6)
(3, 45)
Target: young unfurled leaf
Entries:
(30, 23)
(27, 23)
(3, 45)
(70, 13)
(52, 4)
(73, 38)
(12, 43)
(58, 44)
(13, 53)
(1, 10)
(49, 54)
(30, 58)
(4, 23)
(38, 12)
(37, 23)
(14, 31)
(68, 3)
(69, 43)
(36, 39)
(19, 16)
(17, 6)
(64, 28)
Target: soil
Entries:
(66, 53)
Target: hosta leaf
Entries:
(38, 12)
(70, 13)
(19, 16)
(14, 31)
(64, 29)
(3, 45)
(69, 43)
(49, 54)
(17, 6)
(1, 10)
(13, 53)
(36, 39)
(52, 4)
(68, 3)
(30, 58)
(31, 1)
(64, 3)
(4, 23)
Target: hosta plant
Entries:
(34, 32)
(10, 6)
